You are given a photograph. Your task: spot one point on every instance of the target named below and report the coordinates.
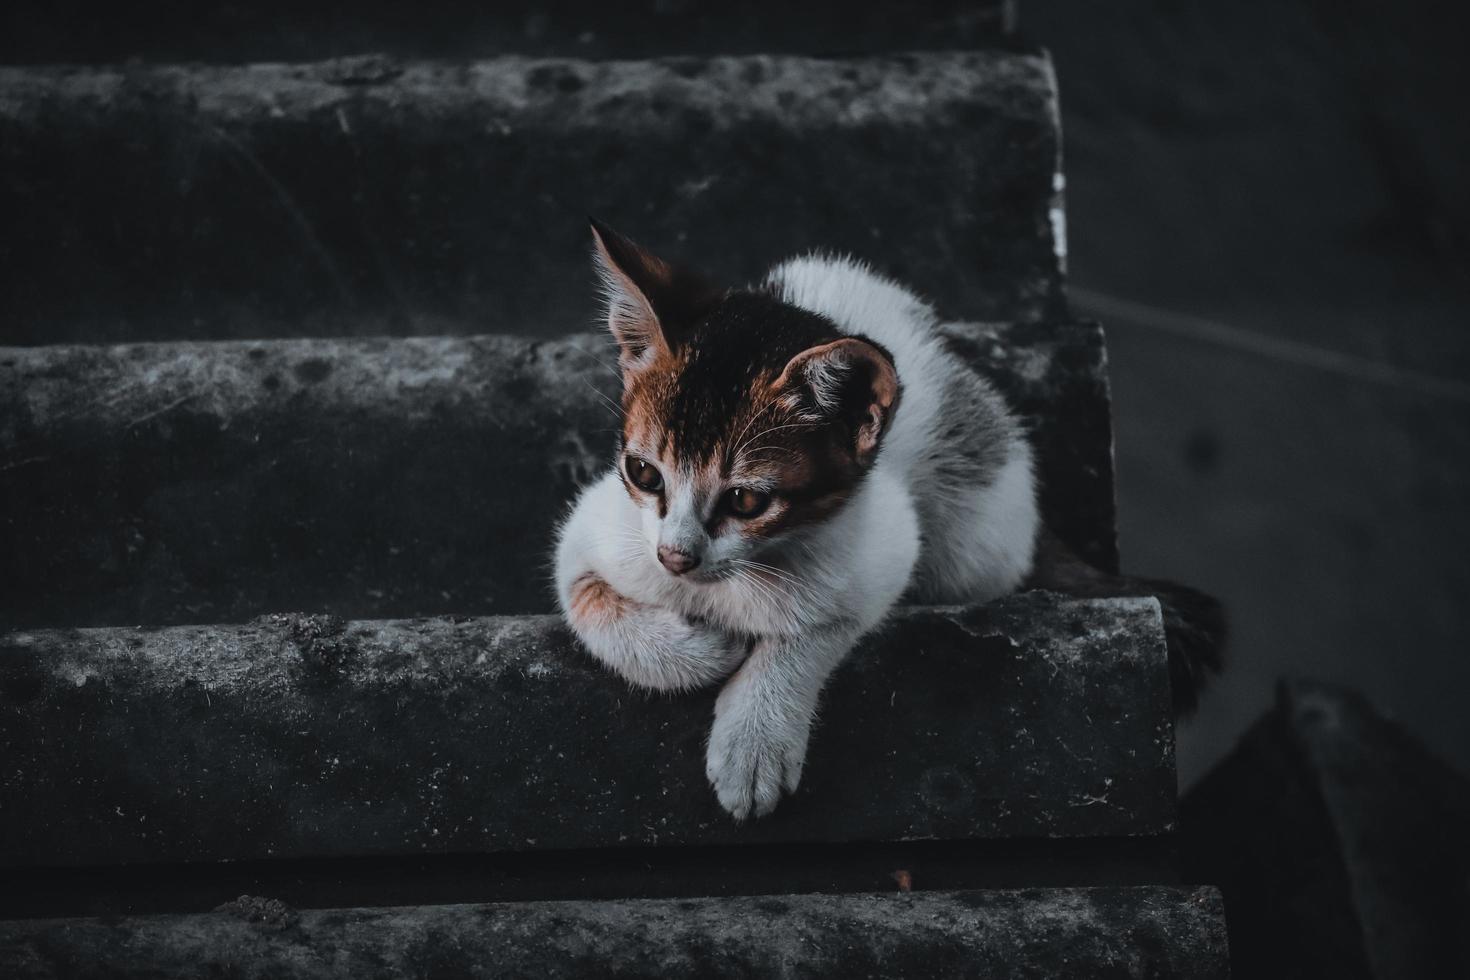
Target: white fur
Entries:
(983, 532)
(947, 513)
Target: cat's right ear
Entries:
(649, 301)
(852, 380)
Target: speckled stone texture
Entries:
(1035, 717)
(213, 482)
(371, 196)
(1065, 933)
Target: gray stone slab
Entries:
(1065, 933)
(37, 32)
(383, 197)
(209, 482)
(1036, 717)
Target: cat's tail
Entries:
(1195, 627)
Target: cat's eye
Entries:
(645, 476)
(745, 502)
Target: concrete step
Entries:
(1153, 933)
(373, 196)
(1037, 717)
(211, 482)
(36, 32)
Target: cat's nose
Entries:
(675, 560)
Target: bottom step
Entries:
(1112, 932)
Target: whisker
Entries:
(801, 590)
(778, 572)
(617, 409)
(751, 421)
(774, 428)
(761, 592)
(587, 353)
(754, 454)
(770, 589)
(632, 541)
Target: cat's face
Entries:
(745, 419)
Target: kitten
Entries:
(794, 459)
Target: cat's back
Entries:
(954, 443)
(858, 300)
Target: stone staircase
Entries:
(298, 378)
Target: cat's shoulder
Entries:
(849, 292)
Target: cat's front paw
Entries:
(754, 755)
(650, 646)
(663, 650)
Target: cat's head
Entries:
(744, 418)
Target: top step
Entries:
(40, 31)
(371, 196)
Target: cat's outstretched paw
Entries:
(753, 756)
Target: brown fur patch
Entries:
(739, 389)
(798, 458)
(646, 397)
(597, 604)
(768, 441)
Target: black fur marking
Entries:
(678, 295)
(747, 337)
(714, 397)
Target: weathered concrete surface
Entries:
(1339, 842)
(374, 196)
(38, 32)
(209, 482)
(1036, 717)
(1081, 933)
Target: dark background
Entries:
(1267, 208)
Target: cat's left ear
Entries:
(650, 302)
(851, 380)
